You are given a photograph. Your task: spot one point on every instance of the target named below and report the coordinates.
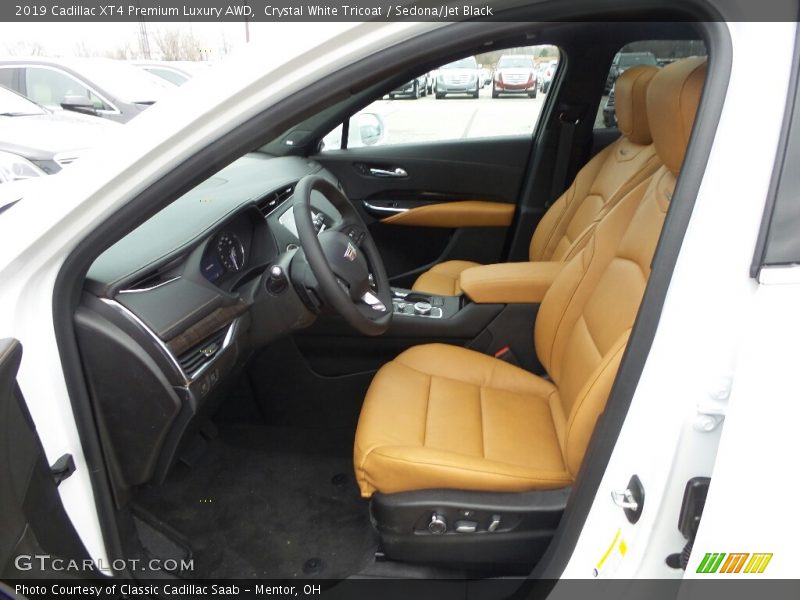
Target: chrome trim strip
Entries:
(125, 311)
(187, 379)
(383, 209)
(152, 287)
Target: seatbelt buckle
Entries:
(506, 354)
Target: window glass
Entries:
(168, 74)
(497, 93)
(49, 87)
(652, 52)
(7, 78)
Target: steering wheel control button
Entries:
(423, 308)
(466, 526)
(438, 524)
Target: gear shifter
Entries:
(417, 297)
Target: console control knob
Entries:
(277, 281)
(438, 524)
(422, 308)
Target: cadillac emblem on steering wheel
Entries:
(350, 252)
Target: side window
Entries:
(498, 93)
(49, 87)
(8, 78)
(646, 52)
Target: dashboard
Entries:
(173, 309)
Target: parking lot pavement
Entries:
(457, 117)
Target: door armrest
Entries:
(510, 283)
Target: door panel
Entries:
(32, 518)
(461, 213)
(440, 201)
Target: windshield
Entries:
(638, 58)
(464, 63)
(14, 105)
(124, 81)
(515, 62)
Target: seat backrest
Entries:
(585, 318)
(604, 180)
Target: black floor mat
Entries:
(262, 501)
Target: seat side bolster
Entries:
(589, 404)
(403, 468)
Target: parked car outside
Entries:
(459, 77)
(515, 74)
(626, 60)
(486, 76)
(548, 71)
(100, 87)
(35, 141)
(176, 72)
(414, 89)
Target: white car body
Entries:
(725, 345)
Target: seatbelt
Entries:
(569, 119)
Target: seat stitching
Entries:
(487, 386)
(591, 337)
(427, 411)
(571, 419)
(480, 405)
(485, 472)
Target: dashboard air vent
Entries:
(203, 353)
(274, 199)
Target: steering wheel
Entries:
(344, 259)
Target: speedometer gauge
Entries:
(230, 251)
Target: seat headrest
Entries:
(672, 100)
(630, 95)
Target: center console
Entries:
(407, 303)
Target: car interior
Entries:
(387, 360)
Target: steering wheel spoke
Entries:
(370, 299)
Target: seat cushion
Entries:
(443, 417)
(443, 279)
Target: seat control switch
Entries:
(494, 523)
(466, 526)
(438, 524)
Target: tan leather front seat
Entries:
(440, 416)
(599, 185)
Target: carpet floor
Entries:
(269, 502)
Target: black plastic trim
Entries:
(791, 115)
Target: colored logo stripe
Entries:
(758, 563)
(734, 562)
(713, 562)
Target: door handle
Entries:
(396, 172)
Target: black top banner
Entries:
(254, 10)
(383, 10)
